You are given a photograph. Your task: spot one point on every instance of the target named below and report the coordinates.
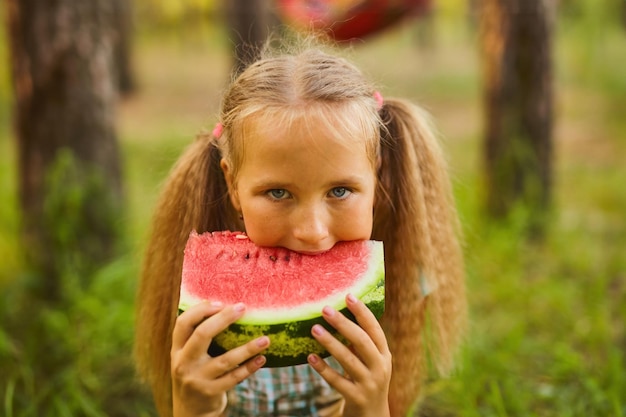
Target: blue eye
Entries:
(278, 193)
(339, 192)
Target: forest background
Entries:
(548, 333)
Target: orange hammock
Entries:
(349, 19)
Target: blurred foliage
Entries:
(174, 12)
(547, 335)
(71, 358)
(65, 346)
(90, 230)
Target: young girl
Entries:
(306, 154)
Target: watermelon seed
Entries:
(248, 255)
(287, 258)
(273, 258)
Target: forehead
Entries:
(305, 146)
(348, 125)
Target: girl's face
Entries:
(301, 188)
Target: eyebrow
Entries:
(350, 180)
(270, 185)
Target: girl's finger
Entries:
(199, 341)
(367, 339)
(343, 385)
(368, 322)
(228, 381)
(189, 320)
(351, 363)
(225, 363)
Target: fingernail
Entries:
(239, 307)
(318, 330)
(351, 299)
(263, 341)
(259, 360)
(216, 304)
(328, 311)
(313, 359)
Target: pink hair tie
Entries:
(217, 130)
(379, 99)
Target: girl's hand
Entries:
(199, 381)
(367, 362)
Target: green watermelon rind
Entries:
(292, 342)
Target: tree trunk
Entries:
(70, 184)
(516, 46)
(250, 23)
(123, 21)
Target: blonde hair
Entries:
(413, 214)
(310, 86)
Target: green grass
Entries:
(546, 323)
(547, 334)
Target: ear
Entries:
(232, 189)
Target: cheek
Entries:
(368, 215)
(365, 225)
(263, 234)
(262, 225)
(357, 223)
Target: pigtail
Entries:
(194, 198)
(414, 216)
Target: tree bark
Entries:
(517, 53)
(250, 24)
(123, 46)
(70, 185)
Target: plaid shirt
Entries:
(290, 391)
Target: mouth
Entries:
(312, 253)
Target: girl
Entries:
(307, 154)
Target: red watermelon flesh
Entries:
(229, 267)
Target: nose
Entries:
(310, 226)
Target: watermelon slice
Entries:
(284, 291)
